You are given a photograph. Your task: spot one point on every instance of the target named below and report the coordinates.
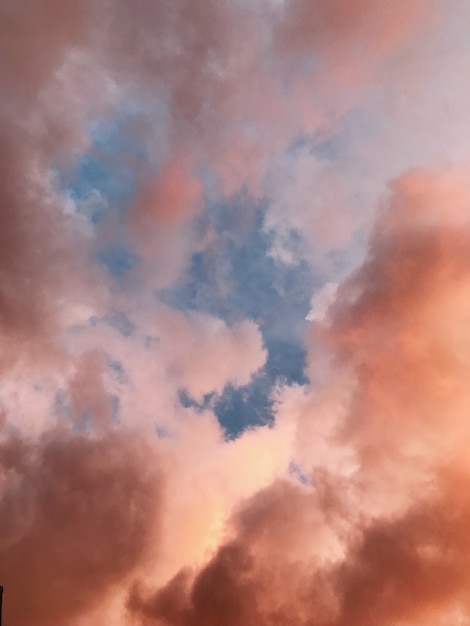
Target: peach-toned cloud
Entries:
(77, 515)
(204, 354)
(173, 195)
(233, 106)
(377, 536)
(170, 351)
(41, 246)
(161, 219)
(400, 319)
(222, 474)
(120, 505)
(188, 59)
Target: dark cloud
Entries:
(413, 570)
(38, 248)
(76, 517)
(409, 571)
(261, 577)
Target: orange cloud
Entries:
(346, 550)
(186, 528)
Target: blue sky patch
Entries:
(235, 278)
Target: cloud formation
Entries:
(77, 515)
(275, 145)
(386, 543)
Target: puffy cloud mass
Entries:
(385, 543)
(77, 514)
(218, 214)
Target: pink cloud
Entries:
(154, 517)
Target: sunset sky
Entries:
(235, 312)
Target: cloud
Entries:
(121, 504)
(161, 217)
(277, 568)
(77, 517)
(218, 354)
(35, 40)
(415, 568)
(381, 540)
(320, 302)
(399, 320)
(191, 63)
(340, 26)
(411, 570)
(40, 245)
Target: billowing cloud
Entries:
(176, 179)
(386, 540)
(209, 354)
(40, 244)
(77, 517)
(413, 569)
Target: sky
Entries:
(234, 312)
